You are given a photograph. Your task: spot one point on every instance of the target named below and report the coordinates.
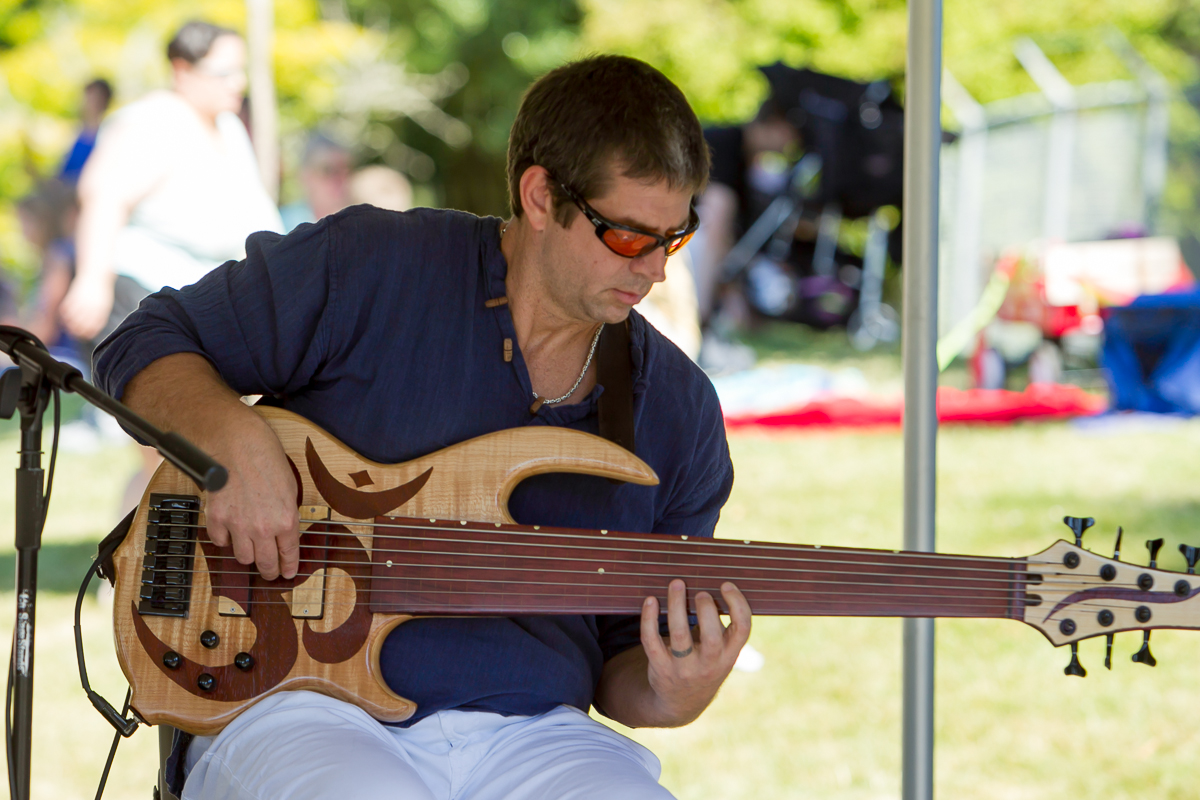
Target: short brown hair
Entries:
(193, 41)
(581, 118)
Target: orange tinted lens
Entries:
(674, 247)
(627, 243)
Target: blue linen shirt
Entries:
(372, 324)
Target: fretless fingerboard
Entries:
(446, 567)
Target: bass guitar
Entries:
(201, 637)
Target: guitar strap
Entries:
(614, 371)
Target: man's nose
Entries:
(653, 265)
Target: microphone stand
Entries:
(27, 391)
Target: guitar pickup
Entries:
(308, 599)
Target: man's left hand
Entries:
(688, 666)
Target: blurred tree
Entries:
(500, 46)
(712, 49)
(866, 39)
(50, 48)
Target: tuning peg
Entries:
(1144, 656)
(1154, 545)
(1075, 668)
(1079, 526)
(1108, 640)
(1191, 554)
(1117, 548)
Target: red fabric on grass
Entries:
(1040, 401)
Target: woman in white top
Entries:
(171, 190)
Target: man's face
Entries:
(215, 83)
(326, 179)
(95, 103)
(591, 283)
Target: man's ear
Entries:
(537, 201)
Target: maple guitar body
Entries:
(197, 655)
(201, 637)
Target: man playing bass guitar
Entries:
(402, 334)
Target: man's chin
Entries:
(615, 313)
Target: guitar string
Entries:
(637, 594)
(631, 604)
(642, 541)
(728, 562)
(652, 547)
(641, 590)
(1072, 586)
(1036, 580)
(617, 572)
(413, 558)
(609, 574)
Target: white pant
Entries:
(307, 745)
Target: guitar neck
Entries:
(441, 567)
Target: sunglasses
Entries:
(629, 242)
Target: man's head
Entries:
(603, 142)
(592, 120)
(325, 175)
(208, 63)
(97, 96)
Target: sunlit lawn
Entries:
(821, 719)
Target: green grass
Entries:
(822, 718)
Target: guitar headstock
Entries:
(1074, 594)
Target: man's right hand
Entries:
(256, 512)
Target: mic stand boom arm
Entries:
(28, 393)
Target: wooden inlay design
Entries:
(351, 502)
(344, 641)
(274, 651)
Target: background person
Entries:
(97, 96)
(170, 192)
(746, 176)
(382, 187)
(47, 216)
(325, 178)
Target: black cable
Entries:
(112, 751)
(124, 725)
(53, 458)
(8, 739)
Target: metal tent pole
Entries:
(264, 115)
(922, 143)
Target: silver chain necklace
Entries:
(578, 380)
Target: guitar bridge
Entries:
(170, 555)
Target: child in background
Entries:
(47, 216)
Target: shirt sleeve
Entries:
(263, 322)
